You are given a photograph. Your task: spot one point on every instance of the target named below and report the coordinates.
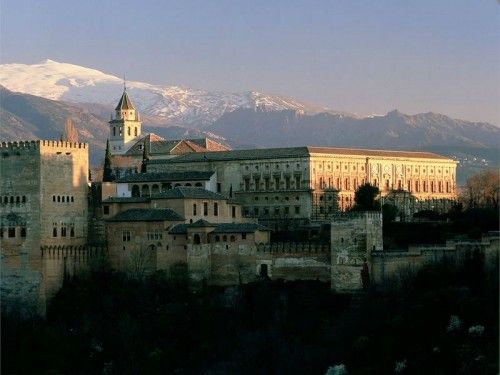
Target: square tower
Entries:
(125, 127)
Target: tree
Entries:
(482, 190)
(145, 158)
(107, 175)
(70, 133)
(365, 198)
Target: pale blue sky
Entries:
(360, 56)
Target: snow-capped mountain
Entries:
(176, 105)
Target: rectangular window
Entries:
(287, 183)
(63, 231)
(216, 209)
(1, 232)
(233, 211)
(205, 208)
(297, 182)
(266, 210)
(276, 210)
(257, 184)
(287, 210)
(126, 236)
(23, 232)
(219, 188)
(276, 183)
(243, 236)
(297, 210)
(266, 183)
(194, 209)
(12, 232)
(247, 184)
(106, 209)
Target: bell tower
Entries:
(125, 127)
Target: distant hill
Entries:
(474, 144)
(243, 120)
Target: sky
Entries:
(363, 56)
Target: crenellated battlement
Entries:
(38, 144)
(18, 145)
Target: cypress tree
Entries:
(107, 172)
(145, 158)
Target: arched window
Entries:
(5, 199)
(23, 231)
(155, 189)
(18, 199)
(145, 190)
(166, 186)
(187, 184)
(58, 198)
(196, 239)
(54, 232)
(198, 184)
(23, 199)
(72, 199)
(128, 130)
(114, 131)
(217, 238)
(224, 238)
(72, 231)
(135, 132)
(62, 198)
(232, 238)
(136, 192)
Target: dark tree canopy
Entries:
(145, 158)
(365, 198)
(107, 172)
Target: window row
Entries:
(63, 231)
(63, 198)
(268, 166)
(218, 238)
(275, 183)
(13, 232)
(266, 211)
(118, 130)
(215, 209)
(276, 198)
(10, 199)
(146, 190)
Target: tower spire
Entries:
(124, 84)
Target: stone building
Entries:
(303, 183)
(161, 227)
(43, 204)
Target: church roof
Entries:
(124, 103)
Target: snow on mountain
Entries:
(177, 105)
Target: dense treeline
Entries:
(441, 320)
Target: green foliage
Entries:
(145, 158)
(365, 198)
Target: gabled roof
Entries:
(147, 214)
(124, 103)
(181, 192)
(219, 228)
(201, 224)
(167, 176)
